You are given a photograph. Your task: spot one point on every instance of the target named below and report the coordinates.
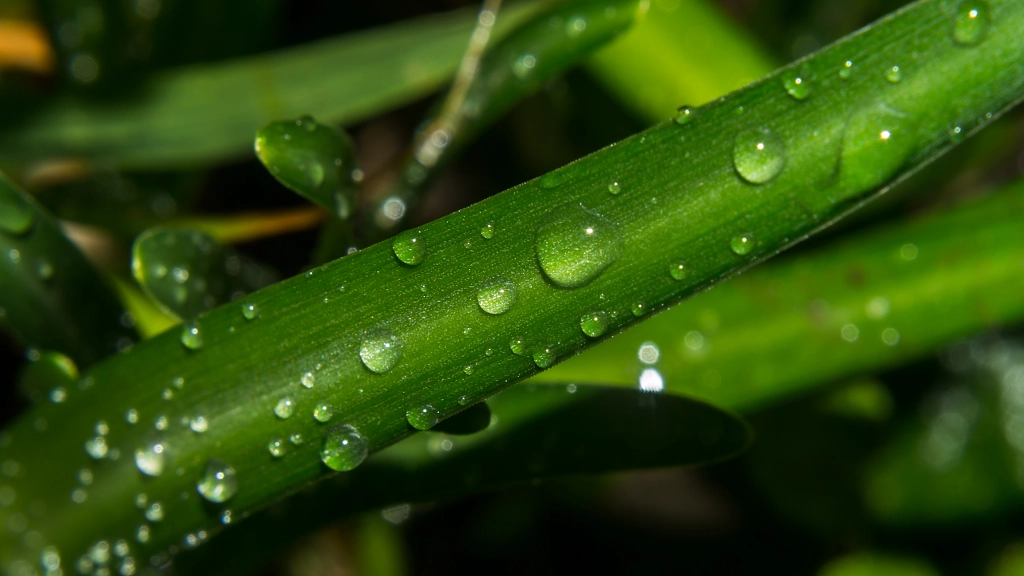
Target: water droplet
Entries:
(575, 26)
(58, 395)
(277, 448)
(971, 22)
(155, 512)
(614, 188)
(296, 439)
(878, 142)
(199, 424)
(160, 423)
(96, 447)
(759, 155)
(956, 134)
(487, 231)
(524, 65)
(594, 324)
(307, 380)
(192, 336)
(380, 350)
(16, 216)
(323, 412)
(250, 311)
(846, 70)
(741, 244)
(684, 115)
(544, 357)
(218, 482)
(468, 370)
(796, 84)
(422, 418)
(552, 179)
(284, 408)
(343, 448)
(894, 75)
(517, 346)
(638, 309)
(574, 245)
(409, 248)
(150, 459)
(498, 297)
(677, 270)
(142, 534)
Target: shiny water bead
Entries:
(323, 412)
(192, 336)
(296, 439)
(150, 459)
(677, 270)
(684, 115)
(218, 482)
(594, 324)
(250, 311)
(614, 188)
(846, 70)
(574, 245)
(277, 447)
(741, 244)
(409, 248)
(423, 417)
(544, 357)
(796, 84)
(343, 448)
(487, 231)
(199, 424)
(380, 350)
(517, 346)
(894, 74)
(759, 155)
(638, 309)
(497, 297)
(307, 380)
(971, 22)
(878, 142)
(284, 408)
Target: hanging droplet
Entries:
(380, 350)
(284, 408)
(343, 448)
(422, 418)
(250, 311)
(150, 460)
(544, 357)
(192, 336)
(218, 482)
(574, 245)
(677, 270)
(594, 324)
(498, 297)
(759, 155)
(323, 412)
(971, 22)
(796, 84)
(684, 115)
(409, 248)
(894, 75)
(741, 244)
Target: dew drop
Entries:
(878, 142)
(155, 512)
(677, 270)
(741, 244)
(684, 115)
(956, 134)
(307, 380)
(285, 408)
(218, 482)
(277, 448)
(422, 418)
(343, 448)
(971, 22)
(846, 70)
(409, 248)
(150, 459)
(16, 216)
(380, 350)
(894, 75)
(192, 336)
(594, 324)
(96, 447)
(517, 346)
(323, 412)
(296, 439)
(250, 311)
(614, 188)
(142, 534)
(759, 155)
(498, 297)
(544, 357)
(468, 370)
(199, 424)
(574, 245)
(796, 84)
(487, 231)
(524, 65)
(638, 309)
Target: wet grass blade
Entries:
(359, 353)
(874, 301)
(177, 124)
(537, 432)
(50, 296)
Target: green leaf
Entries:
(50, 296)
(386, 343)
(876, 300)
(175, 123)
(537, 432)
(187, 272)
(47, 375)
(871, 564)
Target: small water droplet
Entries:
(487, 231)
(552, 179)
(343, 448)
(517, 346)
(741, 244)
(544, 357)
(250, 311)
(150, 459)
(498, 297)
(524, 65)
(677, 270)
(614, 188)
(277, 448)
(878, 142)
(307, 380)
(422, 418)
(284, 408)
(323, 412)
(796, 84)
(684, 115)
(468, 370)
(192, 336)
(16, 216)
(142, 534)
(199, 424)
(956, 134)
(296, 439)
(894, 75)
(759, 155)
(594, 324)
(971, 22)
(409, 248)
(574, 245)
(380, 350)
(846, 70)
(96, 447)
(575, 26)
(155, 512)
(218, 482)
(638, 309)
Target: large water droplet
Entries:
(796, 84)
(192, 336)
(878, 142)
(544, 357)
(759, 155)
(422, 418)
(284, 408)
(15, 216)
(343, 448)
(150, 460)
(594, 324)
(971, 22)
(741, 244)
(380, 350)
(409, 248)
(497, 297)
(574, 245)
(218, 482)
